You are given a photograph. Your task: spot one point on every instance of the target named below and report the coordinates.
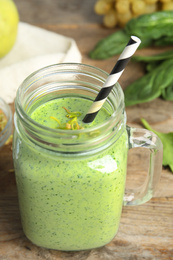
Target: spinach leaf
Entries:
(154, 28)
(154, 60)
(113, 45)
(167, 141)
(151, 85)
(152, 65)
(109, 46)
(167, 93)
(164, 41)
(157, 57)
(151, 26)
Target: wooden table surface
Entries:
(146, 231)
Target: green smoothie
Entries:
(70, 203)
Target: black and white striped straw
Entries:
(112, 79)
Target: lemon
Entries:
(9, 19)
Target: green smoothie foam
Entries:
(70, 203)
(56, 109)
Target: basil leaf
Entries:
(164, 41)
(167, 141)
(151, 85)
(114, 44)
(167, 93)
(151, 26)
(153, 58)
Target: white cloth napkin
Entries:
(34, 48)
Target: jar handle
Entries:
(146, 139)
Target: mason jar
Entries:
(7, 130)
(71, 183)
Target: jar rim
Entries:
(61, 66)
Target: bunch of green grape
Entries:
(119, 12)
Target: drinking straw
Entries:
(112, 79)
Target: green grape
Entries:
(124, 18)
(119, 12)
(110, 19)
(138, 7)
(150, 2)
(122, 6)
(165, 1)
(167, 6)
(102, 7)
(150, 8)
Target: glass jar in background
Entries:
(8, 127)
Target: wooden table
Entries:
(146, 231)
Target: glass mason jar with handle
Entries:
(71, 183)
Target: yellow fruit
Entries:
(123, 18)
(138, 7)
(102, 7)
(122, 6)
(9, 19)
(110, 19)
(167, 6)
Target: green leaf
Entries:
(114, 44)
(164, 41)
(167, 93)
(110, 45)
(154, 60)
(151, 26)
(151, 85)
(167, 141)
(152, 65)
(157, 57)
(155, 28)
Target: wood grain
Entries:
(146, 231)
(57, 11)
